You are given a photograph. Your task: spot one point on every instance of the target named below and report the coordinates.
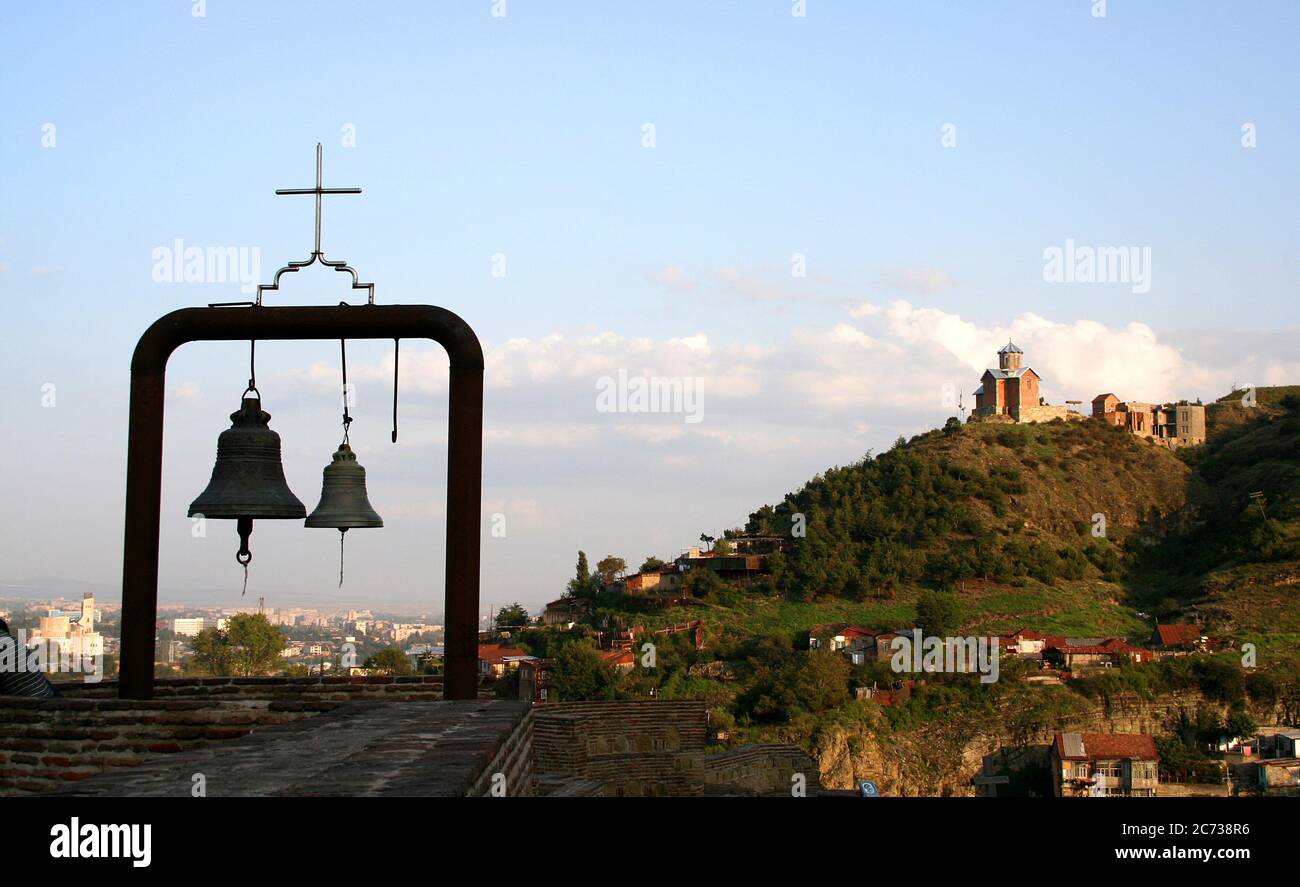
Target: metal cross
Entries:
(318, 191)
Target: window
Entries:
(1108, 768)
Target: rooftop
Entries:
(1105, 746)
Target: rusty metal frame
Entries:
(145, 443)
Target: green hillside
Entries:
(1006, 516)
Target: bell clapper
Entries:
(244, 526)
(342, 531)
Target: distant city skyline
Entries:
(828, 223)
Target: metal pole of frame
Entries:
(145, 443)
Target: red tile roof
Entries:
(496, 653)
(1107, 746)
(1177, 635)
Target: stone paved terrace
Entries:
(360, 749)
(47, 743)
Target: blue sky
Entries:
(522, 136)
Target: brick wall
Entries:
(49, 743)
(761, 769)
(634, 748)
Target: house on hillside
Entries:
(1101, 765)
(858, 643)
(1177, 638)
(1079, 654)
(494, 660)
(733, 565)
(667, 578)
(1023, 642)
(566, 611)
(1180, 424)
(1283, 744)
(1279, 776)
(534, 680)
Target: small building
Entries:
(860, 644)
(494, 660)
(566, 611)
(1025, 643)
(534, 680)
(1100, 765)
(1282, 744)
(1075, 654)
(1279, 776)
(1176, 424)
(729, 566)
(1177, 637)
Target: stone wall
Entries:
(634, 748)
(760, 769)
(49, 743)
(945, 759)
(1038, 413)
(1193, 790)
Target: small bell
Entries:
(248, 479)
(344, 504)
(343, 501)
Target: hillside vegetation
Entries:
(984, 501)
(1074, 526)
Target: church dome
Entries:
(1010, 348)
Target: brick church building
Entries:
(1004, 389)
(1011, 390)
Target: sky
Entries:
(822, 217)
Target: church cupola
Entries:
(1009, 356)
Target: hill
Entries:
(1231, 556)
(984, 501)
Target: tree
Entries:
(210, 654)
(248, 645)
(819, 683)
(609, 568)
(952, 426)
(580, 673)
(651, 563)
(1240, 724)
(701, 582)
(582, 584)
(722, 548)
(512, 615)
(389, 660)
(254, 644)
(707, 539)
(938, 614)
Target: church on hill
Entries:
(1011, 390)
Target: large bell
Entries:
(248, 479)
(344, 504)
